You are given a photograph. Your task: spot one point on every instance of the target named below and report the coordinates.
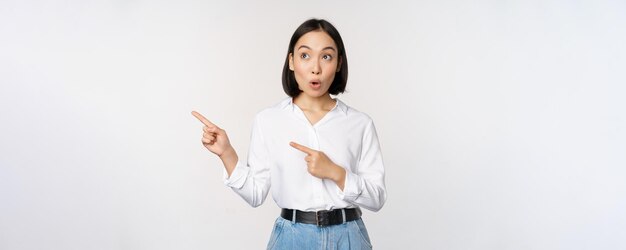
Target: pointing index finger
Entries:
(203, 119)
(302, 148)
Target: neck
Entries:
(305, 102)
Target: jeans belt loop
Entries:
(293, 216)
(317, 218)
(343, 215)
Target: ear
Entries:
(291, 61)
(339, 64)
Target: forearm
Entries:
(229, 159)
(339, 177)
(365, 190)
(251, 183)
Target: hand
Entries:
(320, 166)
(213, 138)
(216, 141)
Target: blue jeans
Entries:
(289, 235)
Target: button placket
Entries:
(318, 183)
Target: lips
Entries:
(315, 84)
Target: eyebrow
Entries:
(307, 47)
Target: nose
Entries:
(316, 68)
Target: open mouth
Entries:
(315, 84)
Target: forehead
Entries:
(316, 40)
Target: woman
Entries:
(321, 157)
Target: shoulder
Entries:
(354, 114)
(273, 111)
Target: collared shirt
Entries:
(347, 136)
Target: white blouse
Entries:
(347, 136)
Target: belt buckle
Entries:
(322, 218)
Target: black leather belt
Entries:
(322, 218)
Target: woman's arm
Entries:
(249, 179)
(216, 141)
(366, 186)
(320, 166)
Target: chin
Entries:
(315, 94)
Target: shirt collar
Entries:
(288, 104)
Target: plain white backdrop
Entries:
(502, 123)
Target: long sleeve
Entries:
(251, 179)
(366, 186)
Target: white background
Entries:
(502, 123)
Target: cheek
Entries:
(299, 72)
(300, 68)
(330, 69)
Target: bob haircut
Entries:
(341, 78)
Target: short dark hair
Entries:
(341, 78)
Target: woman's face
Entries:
(314, 61)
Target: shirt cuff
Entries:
(237, 177)
(351, 187)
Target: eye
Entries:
(304, 56)
(327, 57)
